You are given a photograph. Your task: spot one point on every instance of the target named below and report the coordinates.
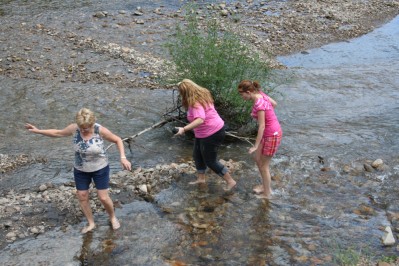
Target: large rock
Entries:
(388, 239)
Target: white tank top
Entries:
(90, 154)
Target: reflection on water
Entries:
(379, 47)
(339, 111)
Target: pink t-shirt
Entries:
(212, 121)
(271, 122)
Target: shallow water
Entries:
(342, 106)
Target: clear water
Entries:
(342, 105)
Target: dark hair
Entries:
(247, 85)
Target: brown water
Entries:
(342, 106)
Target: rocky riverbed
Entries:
(32, 212)
(280, 27)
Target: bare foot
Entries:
(264, 196)
(88, 228)
(258, 189)
(230, 186)
(198, 181)
(115, 224)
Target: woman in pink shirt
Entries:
(269, 134)
(208, 129)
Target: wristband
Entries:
(123, 157)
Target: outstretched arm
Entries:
(68, 131)
(108, 135)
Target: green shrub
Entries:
(218, 60)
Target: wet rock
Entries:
(143, 188)
(101, 14)
(12, 162)
(7, 224)
(224, 12)
(388, 239)
(34, 230)
(3, 201)
(368, 168)
(200, 226)
(377, 163)
(138, 13)
(11, 235)
(158, 11)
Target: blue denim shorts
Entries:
(100, 178)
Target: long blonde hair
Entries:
(193, 93)
(85, 117)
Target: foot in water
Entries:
(115, 224)
(230, 186)
(264, 196)
(258, 189)
(88, 228)
(198, 181)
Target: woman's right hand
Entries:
(126, 165)
(180, 131)
(31, 127)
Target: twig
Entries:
(159, 124)
(240, 138)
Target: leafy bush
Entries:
(218, 60)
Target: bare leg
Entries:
(109, 207)
(200, 179)
(263, 163)
(83, 197)
(230, 181)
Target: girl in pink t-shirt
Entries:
(208, 129)
(269, 133)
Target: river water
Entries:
(339, 111)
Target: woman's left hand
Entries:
(251, 150)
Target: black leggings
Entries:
(205, 153)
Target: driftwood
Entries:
(230, 134)
(156, 125)
(170, 119)
(175, 114)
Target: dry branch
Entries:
(156, 125)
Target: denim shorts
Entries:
(100, 178)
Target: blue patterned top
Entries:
(90, 154)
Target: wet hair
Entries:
(247, 85)
(85, 117)
(192, 93)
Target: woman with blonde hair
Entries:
(91, 161)
(269, 132)
(208, 129)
